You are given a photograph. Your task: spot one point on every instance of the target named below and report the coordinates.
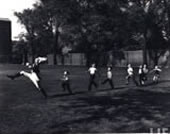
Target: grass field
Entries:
(23, 110)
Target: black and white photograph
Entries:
(84, 66)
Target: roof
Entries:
(4, 19)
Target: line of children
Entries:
(143, 72)
(35, 78)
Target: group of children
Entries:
(92, 71)
(34, 76)
(143, 72)
(92, 76)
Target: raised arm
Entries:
(40, 60)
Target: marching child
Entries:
(92, 71)
(66, 82)
(109, 77)
(33, 75)
(130, 75)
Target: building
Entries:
(5, 40)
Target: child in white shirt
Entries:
(109, 77)
(130, 75)
(92, 71)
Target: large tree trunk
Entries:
(168, 12)
(62, 59)
(25, 56)
(156, 61)
(143, 44)
(144, 41)
(87, 50)
(55, 47)
(156, 57)
(87, 59)
(144, 53)
(32, 50)
(89, 55)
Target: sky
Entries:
(7, 9)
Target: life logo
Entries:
(159, 131)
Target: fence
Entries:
(121, 59)
(116, 58)
(136, 58)
(70, 59)
(133, 57)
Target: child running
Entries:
(130, 75)
(66, 82)
(92, 71)
(33, 75)
(156, 72)
(109, 78)
(145, 73)
(141, 75)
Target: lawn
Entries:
(23, 110)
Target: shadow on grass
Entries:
(136, 107)
(67, 94)
(153, 83)
(108, 89)
(85, 92)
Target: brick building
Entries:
(5, 40)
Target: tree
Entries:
(151, 26)
(95, 27)
(102, 27)
(60, 12)
(27, 19)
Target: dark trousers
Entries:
(145, 77)
(133, 78)
(109, 81)
(39, 84)
(42, 90)
(14, 75)
(66, 86)
(141, 79)
(92, 82)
